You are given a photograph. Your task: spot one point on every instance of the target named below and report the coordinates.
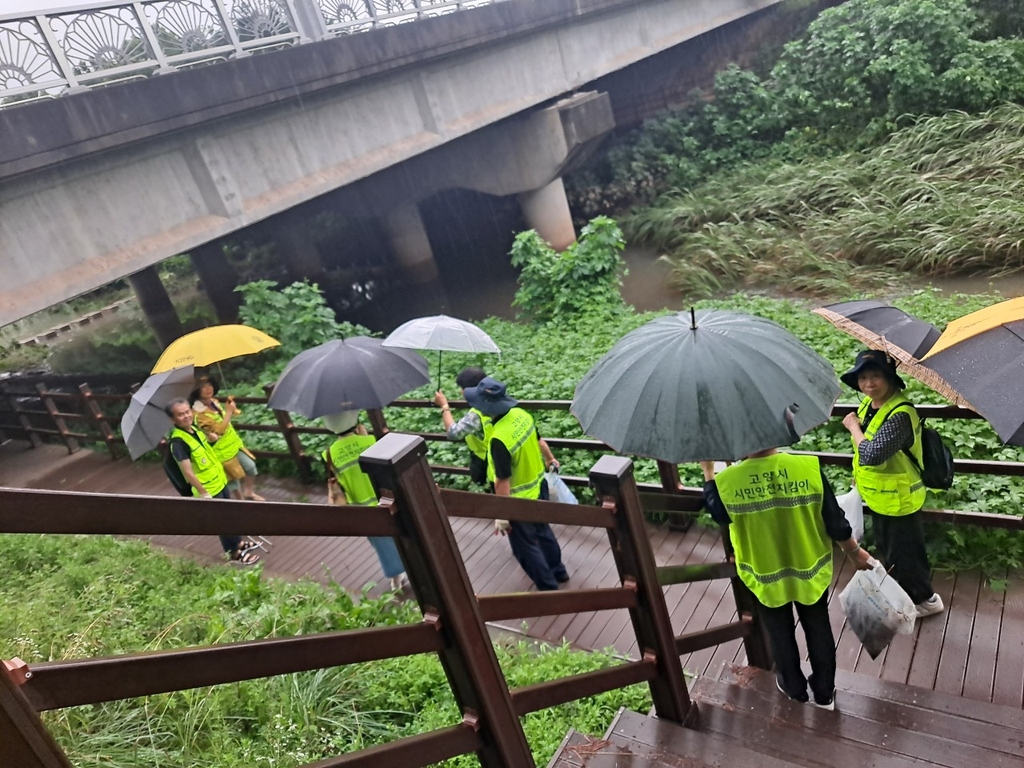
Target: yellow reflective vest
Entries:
(356, 484)
(479, 446)
(894, 487)
(517, 431)
(783, 553)
(207, 467)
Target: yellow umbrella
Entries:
(211, 345)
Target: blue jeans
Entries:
(387, 554)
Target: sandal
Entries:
(248, 544)
(244, 557)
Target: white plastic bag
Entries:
(853, 506)
(558, 490)
(877, 608)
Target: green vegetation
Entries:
(942, 196)
(585, 276)
(120, 596)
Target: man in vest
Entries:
(203, 471)
(516, 459)
(474, 427)
(782, 518)
(887, 451)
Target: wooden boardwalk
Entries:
(975, 649)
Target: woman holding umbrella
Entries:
(887, 452)
(215, 420)
(347, 484)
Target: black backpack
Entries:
(937, 472)
(173, 471)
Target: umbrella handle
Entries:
(439, 370)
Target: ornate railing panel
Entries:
(55, 52)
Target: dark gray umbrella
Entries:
(347, 375)
(144, 424)
(883, 326)
(706, 385)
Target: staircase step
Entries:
(980, 725)
(638, 741)
(809, 736)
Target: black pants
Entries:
(901, 546)
(535, 547)
(821, 648)
(228, 543)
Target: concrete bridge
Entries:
(104, 182)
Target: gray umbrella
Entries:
(144, 424)
(347, 375)
(705, 385)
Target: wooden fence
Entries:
(414, 511)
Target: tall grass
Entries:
(943, 196)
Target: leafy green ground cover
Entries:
(65, 597)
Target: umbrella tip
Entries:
(693, 320)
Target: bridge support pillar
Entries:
(157, 306)
(410, 244)
(219, 280)
(293, 236)
(547, 211)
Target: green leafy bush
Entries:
(584, 278)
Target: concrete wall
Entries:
(102, 184)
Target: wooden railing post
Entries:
(101, 421)
(62, 427)
(291, 439)
(378, 424)
(612, 477)
(756, 644)
(34, 440)
(24, 740)
(398, 467)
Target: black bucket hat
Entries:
(489, 397)
(872, 358)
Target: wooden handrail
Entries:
(523, 604)
(685, 574)
(554, 692)
(489, 507)
(57, 684)
(31, 511)
(708, 638)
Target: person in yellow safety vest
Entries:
(516, 459)
(215, 420)
(355, 486)
(204, 472)
(782, 518)
(886, 434)
(474, 427)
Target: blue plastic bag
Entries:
(558, 490)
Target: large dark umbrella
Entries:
(144, 424)
(883, 326)
(905, 338)
(705, 385)
(347, 375)
(982, 356)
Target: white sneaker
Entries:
(830, 706)
(930, 607)
(399, 582)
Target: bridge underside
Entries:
(100, 185)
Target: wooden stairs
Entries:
(746, 723)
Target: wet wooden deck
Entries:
(975, 649)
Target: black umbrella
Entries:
(903, 337)
(705, 385)
(982, 355)
(882, 326)
(347, 375)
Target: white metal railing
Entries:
(48, 53)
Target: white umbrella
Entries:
(443, 333)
